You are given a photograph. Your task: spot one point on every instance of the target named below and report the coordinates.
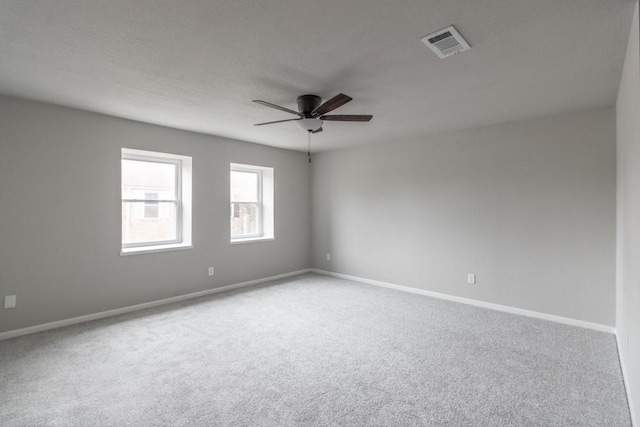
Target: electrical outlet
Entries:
(10, 301)
(210, 271)
(471, 279)
(328, 256)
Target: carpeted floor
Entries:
(313, 351)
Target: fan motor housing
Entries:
(308, 103)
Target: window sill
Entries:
(151, 249)
(252, 240)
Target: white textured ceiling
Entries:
(197, 65)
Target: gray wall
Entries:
(60, 208)
(528, 206)
(628, 250)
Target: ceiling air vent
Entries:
(446, 42)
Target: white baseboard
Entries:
(129, 309)
(623, 368)
(477, 303)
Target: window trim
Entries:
(265, 203)
(182, 201)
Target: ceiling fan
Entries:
(312, 113)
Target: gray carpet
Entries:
(313, 351)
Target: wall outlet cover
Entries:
(10, 301)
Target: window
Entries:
(251, 204)
(156, 201)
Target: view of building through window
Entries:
(149, 201)
(151, 208)
(245, 204)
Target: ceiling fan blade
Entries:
(347, 117)
(317, 130)
(277, 107)
(335, 102)
(277, 121)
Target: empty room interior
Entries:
(296, 213)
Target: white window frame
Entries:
(265, 203)
(258, 203)
(182, 201)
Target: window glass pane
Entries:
(151, 209)
(244, 186)
(141, 179)
(138, 227)
(244, 219)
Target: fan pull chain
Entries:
(309, 146)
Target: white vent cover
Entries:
(446, 42)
